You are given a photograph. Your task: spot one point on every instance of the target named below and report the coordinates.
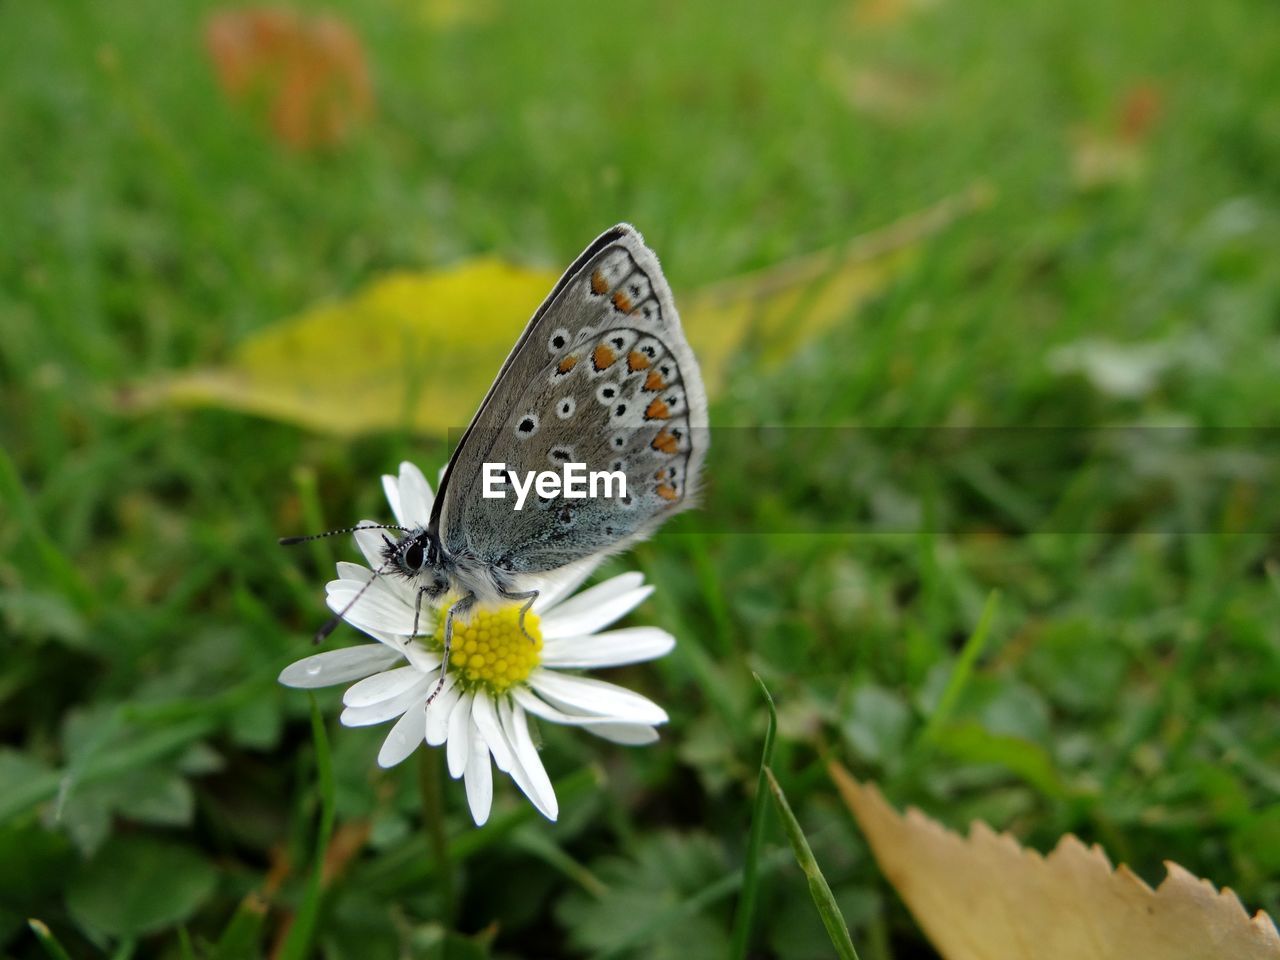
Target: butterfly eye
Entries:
(414, 556)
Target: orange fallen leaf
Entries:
(985, 897)
(307, 74)
(1138, 111)
(886, 13)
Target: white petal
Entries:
(585, 695)
(415, 496)
(540, 708)
(479, 780)
(402, 589)
(394, 592)
(338, 666)
(459, 747)
(403, 739)
(381, 686)
(555, 586)
(602, 592)
(632, 734)
(376, 609)
(370, 543)
(353, 571)
(418, 655)
(528, 771)
(392, 489)
(438, 712)
(629, 734)
(610, 649)
(485, 718)
(598, 607)
(393, 707)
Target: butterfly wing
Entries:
(603, 376)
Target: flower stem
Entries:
(429, 788)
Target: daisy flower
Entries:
(496, 676)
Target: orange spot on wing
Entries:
(622, 302)
(654, 382)
(665, 442)
(636, 361)
(657, 410)
(603, 356)
(666, 491)
(599, 286)
(567, 364)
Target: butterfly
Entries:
(602, 376)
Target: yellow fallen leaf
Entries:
(410, 349)
(985, 897)
(786, 306)
(419, 350)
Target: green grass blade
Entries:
(298, 944)
(242, 936)
(751, 865)
(973, 648)
(823, 899)
(304, 480)
(47, 940)
(19, 506)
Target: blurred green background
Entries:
(154, 776)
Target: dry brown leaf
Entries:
(985, 897)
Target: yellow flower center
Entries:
(491, 651)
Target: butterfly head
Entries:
(417, 556)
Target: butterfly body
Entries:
(419, 557)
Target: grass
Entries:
(1125, 687)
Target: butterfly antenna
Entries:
(290, 541)
(332, 625)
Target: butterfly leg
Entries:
(460, 608)
(417, 610)
(529, 596)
